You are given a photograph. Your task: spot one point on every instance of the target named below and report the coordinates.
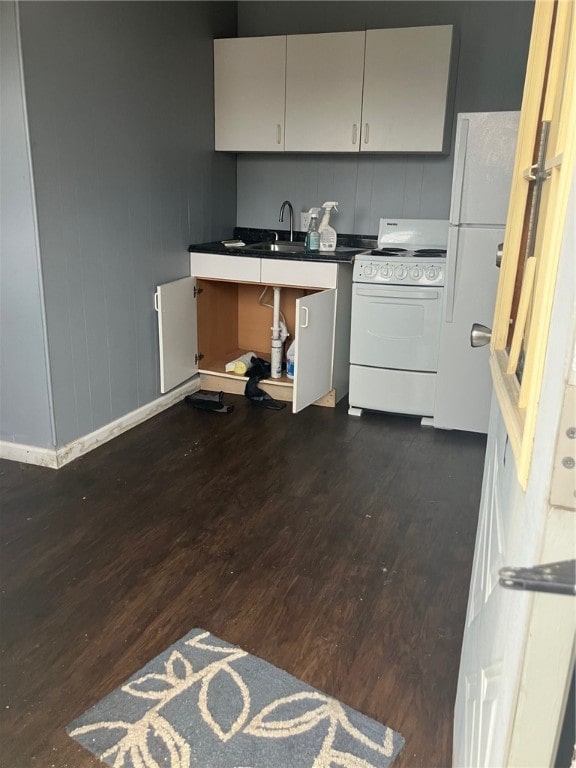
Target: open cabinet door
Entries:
(314, 348)
(177, 331)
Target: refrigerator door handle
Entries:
(459, 168)
(451, 261)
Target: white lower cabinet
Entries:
(175, 304)
(209, 319)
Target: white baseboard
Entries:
(28, 454)
(58, 457)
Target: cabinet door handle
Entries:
(354, 133)
(156, 302)
(305, 324)
(278, 133)
(366, 133)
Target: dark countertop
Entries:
(344, 253)
(341, 254)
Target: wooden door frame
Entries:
(549, 94)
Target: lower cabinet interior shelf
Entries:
(233, 319)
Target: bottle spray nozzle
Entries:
(329, 205)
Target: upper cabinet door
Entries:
(324, 92)
(406, 81)
(249, 94)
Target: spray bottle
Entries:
(327, 233)
(312, 242)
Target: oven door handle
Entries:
(428, 294)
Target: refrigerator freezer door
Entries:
(464, 385)
(483, 165)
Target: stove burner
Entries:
(387, 251)
(420, 253)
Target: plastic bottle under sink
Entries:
(290, 359)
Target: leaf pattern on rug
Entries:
(133, 749)
(323, 708)
(204, 702)
(178, 675)
(153, 742)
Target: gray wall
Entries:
(121, 121)
(25, 405)
(494, 39)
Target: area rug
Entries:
(206, 704)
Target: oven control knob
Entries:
(369, 270)
(386, 271)
(416, 273)
(400, 272)
(432, 273)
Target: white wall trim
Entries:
(28, 454)
(58, 457)
(34, 208)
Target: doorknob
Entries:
(480, 335)
(557, 578)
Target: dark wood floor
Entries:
(336, 548)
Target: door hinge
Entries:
(556, 578)
(198, 357)
(197, 291)
(563, 483)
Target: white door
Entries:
(406, 78)
(314, 348)
(177, 331)
(517, 653)
(484, 697)
(324, 92)
(518, 646)
(464, 386)
(249, 94)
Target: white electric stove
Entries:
(397, 299)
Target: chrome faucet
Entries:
(289, 204)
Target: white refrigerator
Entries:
(483, 165)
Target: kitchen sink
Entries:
(278, 246)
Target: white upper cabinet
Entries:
(384, 90)
(249, 93)
(324, 92)
(406, 80)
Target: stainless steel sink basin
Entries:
(279, 246)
